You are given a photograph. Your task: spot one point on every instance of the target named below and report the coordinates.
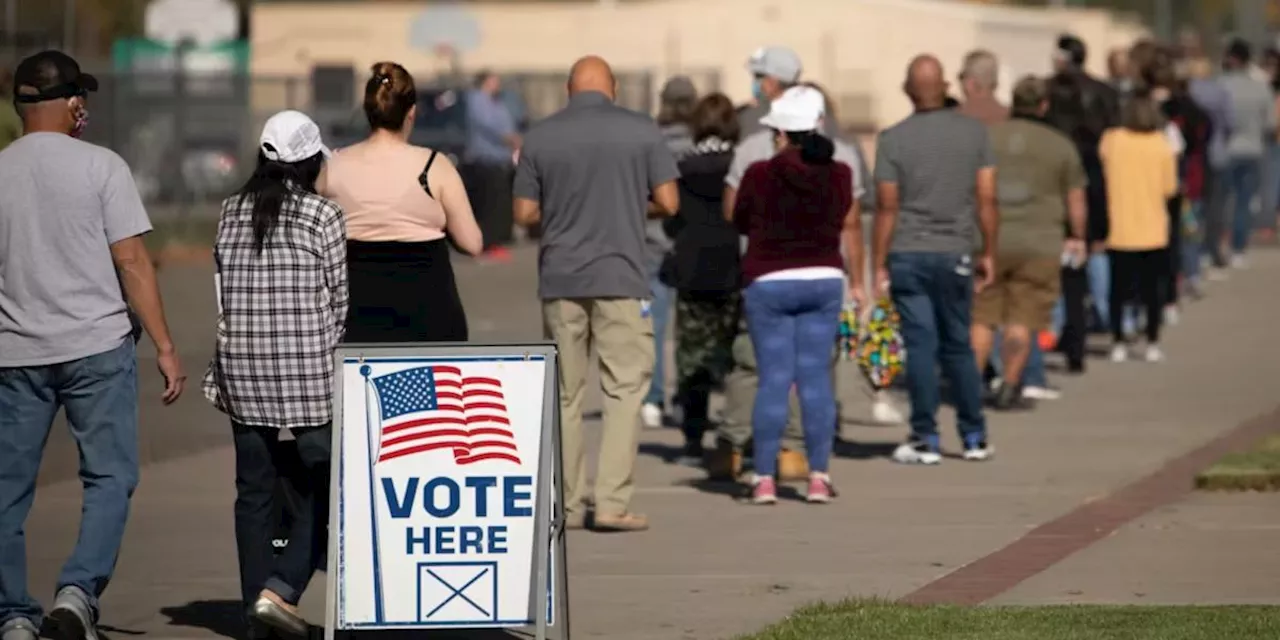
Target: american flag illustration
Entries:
(437, 407)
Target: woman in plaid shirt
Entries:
(282, 300)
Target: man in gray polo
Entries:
(591, 174)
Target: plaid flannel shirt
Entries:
(281, 313)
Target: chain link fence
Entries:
(192, 139)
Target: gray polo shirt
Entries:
(591, 168)
(934, 158)
(65, 203)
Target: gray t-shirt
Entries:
(65, 203)
(592, 167)
(934, 158)
(758, 147)
(1253, 115)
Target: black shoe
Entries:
(1009, 398)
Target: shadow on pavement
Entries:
(223, 617)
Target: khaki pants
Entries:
(740, 399)
(622, 334)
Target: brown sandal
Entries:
(621, 522)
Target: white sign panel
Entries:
(438, 489)
(205, 22)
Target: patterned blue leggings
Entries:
(793, 325)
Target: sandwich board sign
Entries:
(446, 511)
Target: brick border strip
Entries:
(1053, 541)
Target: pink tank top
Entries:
(379, 189)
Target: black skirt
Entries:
(403, 292)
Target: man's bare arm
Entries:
(526, 212)
(665, 201)
(887, 201)
(988, 212)
(730, 197)
(138, 276)
(851, 234)
(1077, 212)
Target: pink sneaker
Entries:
(820, 489)
(764, 491)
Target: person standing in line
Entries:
(1254, 120)
(936, 176)
(71, 224)
(10, 123)
(1209, 93)
(492, 141)
(1194, 128)
(404, 205)
(979, 79)
(1041, 184)
(674, 115)
(281, 254)
(796, 209)
(776, 70)
(1083, 107)
(1118, 75)
(703, 269)
(591, 174)
(1142, 176)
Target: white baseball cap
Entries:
(797, 109)
(291, 136)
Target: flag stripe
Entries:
(437, 408)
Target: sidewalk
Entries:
(711, 568)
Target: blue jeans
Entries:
(100, 395)
(933, 293)
(793, 325)
(660, 309)
(1098, 269)
(1245, 175)
(1034, 374)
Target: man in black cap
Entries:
(71, 224)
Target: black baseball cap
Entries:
(50, 75)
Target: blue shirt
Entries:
(488, 125)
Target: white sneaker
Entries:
(883, 412)
(1215, 274)
(1119, 353)
(651, 416)
(1238, 262)
(1041, 393)
(915, 452)
(1154, 354)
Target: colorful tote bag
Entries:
(873, 339)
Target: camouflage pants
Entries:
(706, 325)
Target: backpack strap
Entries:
(422, 177)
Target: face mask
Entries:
(81, 115)
(757, 91)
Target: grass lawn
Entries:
(1257, 469)
(871, 620)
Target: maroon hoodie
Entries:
(792, 214)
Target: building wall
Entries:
(858, 49)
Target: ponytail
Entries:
(815, 148)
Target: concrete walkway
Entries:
(711, 568)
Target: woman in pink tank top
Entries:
(404, 205)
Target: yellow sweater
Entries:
(1142, 174)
